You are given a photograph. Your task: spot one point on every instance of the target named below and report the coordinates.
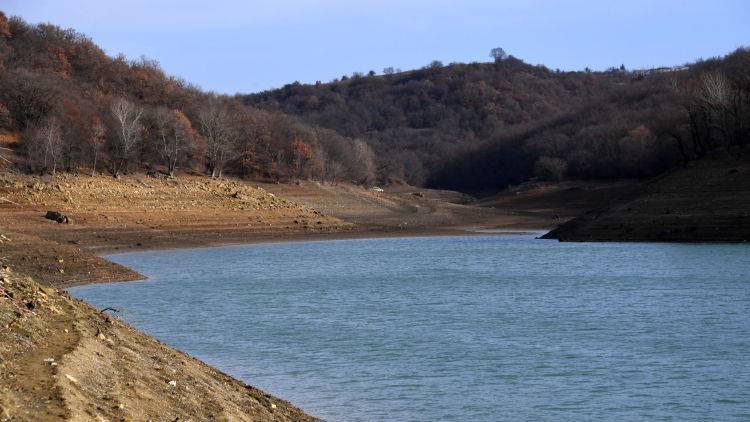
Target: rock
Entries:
(71, 378)
(172, 383)
(59, 217)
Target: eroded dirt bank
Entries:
(61, 359)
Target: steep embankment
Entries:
(707, 201)
(61, 359)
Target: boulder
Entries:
(59, 217)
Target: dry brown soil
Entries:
(61, 359)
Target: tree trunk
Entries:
(93, 169)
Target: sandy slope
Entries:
(61, 359)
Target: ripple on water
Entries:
(460, 328)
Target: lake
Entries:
(470, 328)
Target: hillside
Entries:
(706, 201)
(480, 127)
(66, 106)
(483, 126)
(61, 359)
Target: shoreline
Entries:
(104, 252)
(137, 213)
(292, 237)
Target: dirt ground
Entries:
(107, 215)
(61, 359)
(533, 206)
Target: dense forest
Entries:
(482, 126)
(67, 106)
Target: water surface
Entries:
(460, 328)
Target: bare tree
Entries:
(28, 96)
(715, 89)
(363, 163)
(48, 138)
(215, 126)
(498, 54)
(334, 170)
(98, 138)
(43, 143)
(128, 116)
(716, 113)
(175, 135)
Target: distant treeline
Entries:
(483, 126)
(473, 127)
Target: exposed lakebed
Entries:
(459, 328)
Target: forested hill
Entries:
(67, 106)
(482, 126)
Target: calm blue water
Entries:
(460, 328)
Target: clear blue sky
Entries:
(246, 46)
